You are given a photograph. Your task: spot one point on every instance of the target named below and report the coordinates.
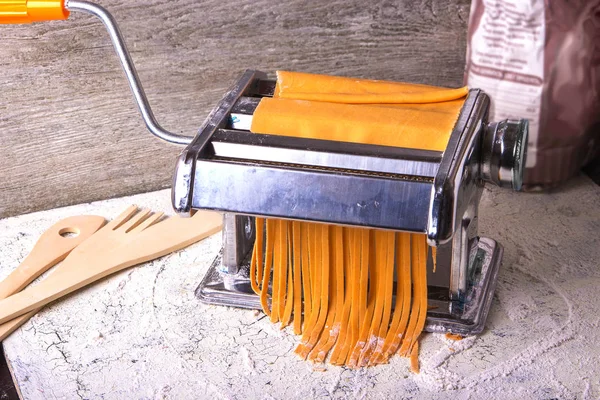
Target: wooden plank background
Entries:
(70, 132)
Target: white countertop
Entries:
(142, 334)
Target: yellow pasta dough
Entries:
(337, 283)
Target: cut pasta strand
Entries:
(289, 281)
(333, 323)
(403, 297)
(267, 267)
(297, 277)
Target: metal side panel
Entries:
(311, 194)
(183, 183)
(457, 178)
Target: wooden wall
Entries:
(70, 132)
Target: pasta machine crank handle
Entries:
(25, 11)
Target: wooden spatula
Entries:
(52, 247)
(132, 238)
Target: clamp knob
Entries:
(27, 11)
(504, 149)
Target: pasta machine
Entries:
(226, 168)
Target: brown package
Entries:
(540, 60)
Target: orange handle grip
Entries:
(27, 11)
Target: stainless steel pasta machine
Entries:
(226, 168)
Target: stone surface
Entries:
(142, 334)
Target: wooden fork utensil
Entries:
(132, 238)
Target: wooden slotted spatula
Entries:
(51, 248)
(132, 238)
